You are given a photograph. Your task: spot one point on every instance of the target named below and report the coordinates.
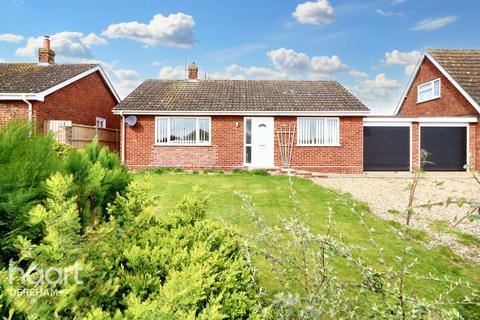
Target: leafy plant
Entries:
(25, 162)
(98, 176)
(138, 265)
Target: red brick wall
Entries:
(80, 102)
(10, 110)
(347, 158)
(227, 149)
(451, 102)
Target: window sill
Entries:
(435, 98)
(318, 145)
(180, 145)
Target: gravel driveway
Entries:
(387, 195)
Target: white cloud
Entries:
(175, 30)
(289, 59)
(10, 37)
(381, 94)
(170, 72)
(235, 71)
(123, 80)
(68, 45)
(434, 24)
(394, 2)
(408, 59)
(92, 39)
(319, 12)
(231, 72)
(387, 13)
(298, 64)
(357, 74)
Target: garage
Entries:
(386, 147)
(446, 145)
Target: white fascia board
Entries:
(246, 113)
(21, 96)
(80, 76)
(41, 95)
(444, 124)
(386, 120)
(448, 119)
(455, 83)
(428, 56)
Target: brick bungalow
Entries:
(45, 91)
(438, 113)
(192, 123)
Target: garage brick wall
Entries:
(227, 149)
(451, 102)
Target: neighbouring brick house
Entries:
(43, 91)
(438, 113)
(242, 123)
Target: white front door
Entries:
(259, 142)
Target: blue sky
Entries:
(369, 46)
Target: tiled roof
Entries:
(241, 95)
(35, 78)
(464, 67)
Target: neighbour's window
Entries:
(185, 131)
(428, 91)
(101, 123)
(318, 132)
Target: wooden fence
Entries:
(79, 135)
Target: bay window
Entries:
(318, 132)
(428, 91)
(182, 130)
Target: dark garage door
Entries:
(386, 148)
(447, 147)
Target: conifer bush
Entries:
(137, 264)
(25, 162)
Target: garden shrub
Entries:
(63, 150)
(98, 176)
(138, 264)
(25, 162)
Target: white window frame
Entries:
(431, 86)
(101, 120)
(196, 144)
(324, 128)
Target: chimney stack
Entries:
(193, 72)
(46, 55)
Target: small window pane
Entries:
(436, 88)
(248, 133)
(248, 154)
(318, 131)
(183, 131)
(204, 130)
(162, 127)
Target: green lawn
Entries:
(271, 196)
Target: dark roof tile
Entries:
(241, 95)
(35, 78)
(463, 65)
